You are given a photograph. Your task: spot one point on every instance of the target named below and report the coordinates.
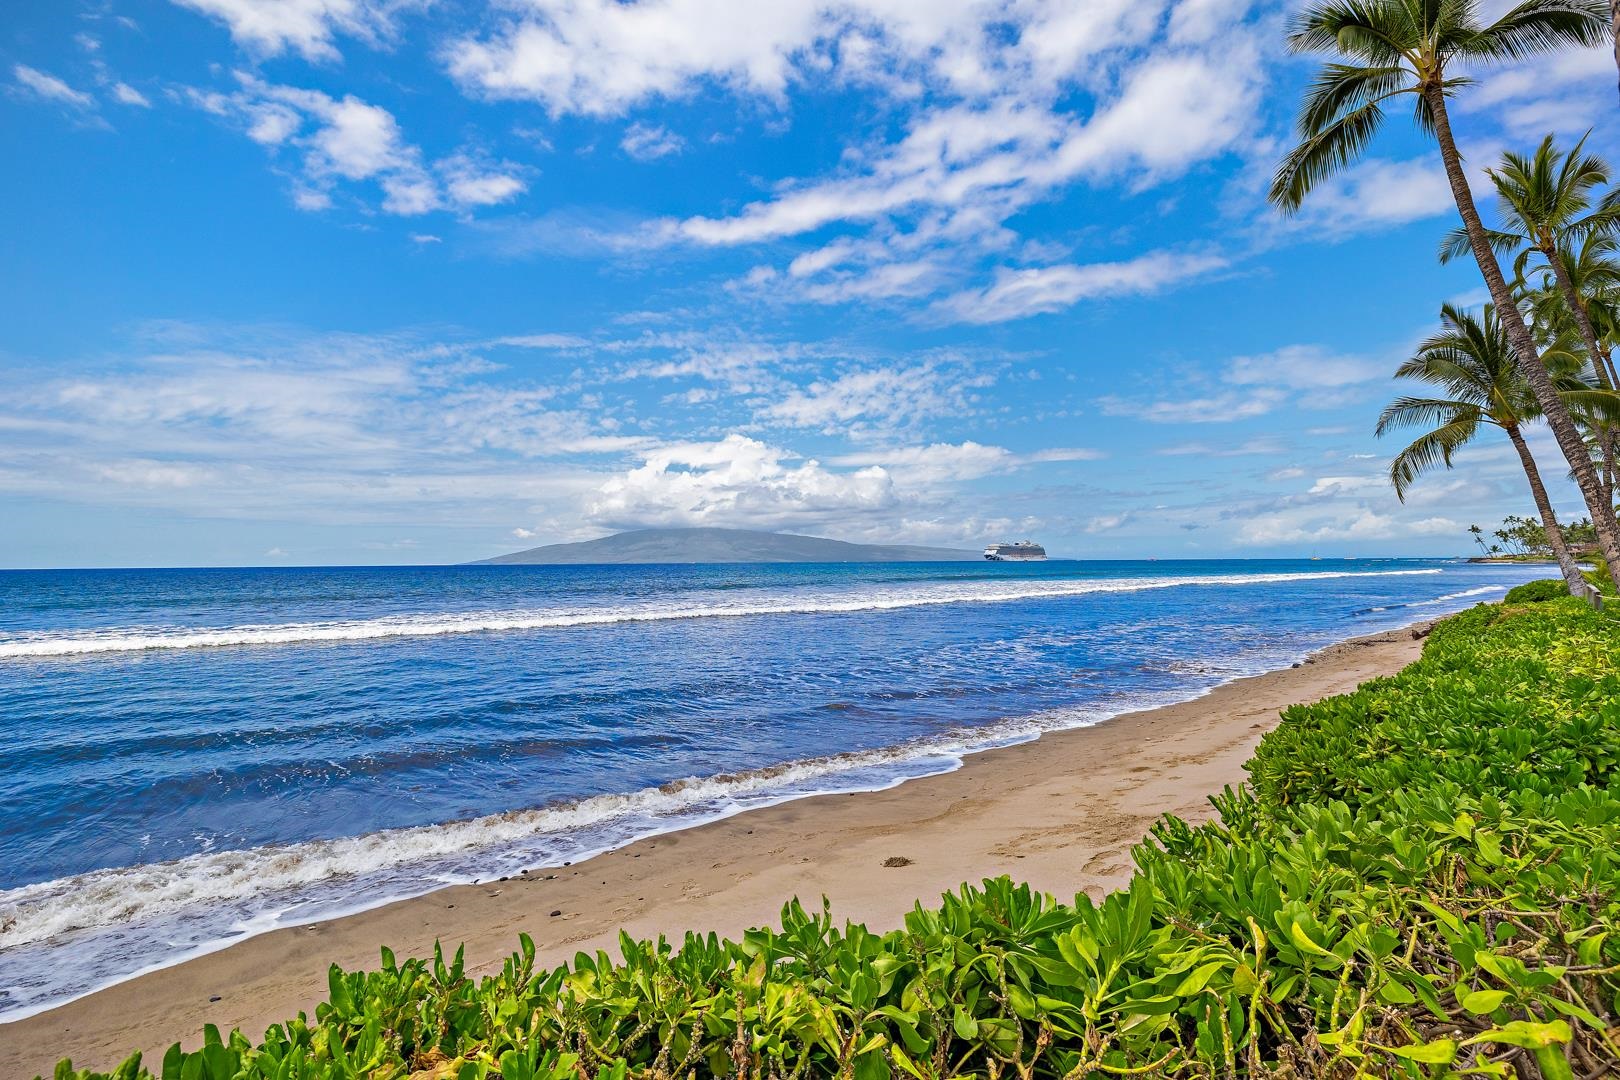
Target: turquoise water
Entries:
(196, 755)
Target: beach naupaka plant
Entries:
(1471, 362)
(1419, 51)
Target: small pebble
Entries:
(556, 913)
(214, 998)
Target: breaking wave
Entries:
(47, 644)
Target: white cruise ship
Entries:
(1023, 551)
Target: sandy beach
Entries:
(1061, 813)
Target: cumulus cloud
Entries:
(737, 481)
(999, 106)
(308, 27)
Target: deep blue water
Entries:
(192, 755)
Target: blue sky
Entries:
(375, 281)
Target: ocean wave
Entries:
(491, 844)
(46, 645)
(1483, 590)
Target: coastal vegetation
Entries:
(1421, 879)
(1522, 538)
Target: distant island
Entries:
(723, 546)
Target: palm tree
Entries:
(1594, 275)
(1614, 26)
(1592, 268)
(1471, 360)
(1545, 203)
(1405, 47)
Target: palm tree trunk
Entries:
(1614, 20)
(1524, 347)
(1577, 304)
(1549, 521)
(1606, 437)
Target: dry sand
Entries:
(1061, 813)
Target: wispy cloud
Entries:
(349, 140)
(1016, 294)
(45, 85)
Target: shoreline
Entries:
(1060, 811)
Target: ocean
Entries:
(193, 756)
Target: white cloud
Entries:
(51, 88)
(299, 427)
(308, 27)
(602, 57)
(1107, 523)
(1306, 367)
(1379, 193)
(737, 481)
(1566, 92)
(1209, 409)
(1341, 525)
(469, 182)
(887, 396)
(1309, 376)
(1003, 104)
(1016, 294)
(648, 142)
(128, 95)
(1265, 444)
(937, 463)
(348, 139)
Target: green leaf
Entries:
(1438, 1052)
(1480, 1002)
(1527, 1033)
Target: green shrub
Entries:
(1421, 882)
(1534, 592)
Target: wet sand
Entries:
(1061, 813)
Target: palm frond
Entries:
(1408, 412)
(1538, 26)
(1372, 32)
(1456, 244)
(1322, 154)
(1432, 448)
(1340, 88)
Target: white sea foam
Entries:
(1483, 590)
(135, 894)
(130, 920)
(50, 644)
